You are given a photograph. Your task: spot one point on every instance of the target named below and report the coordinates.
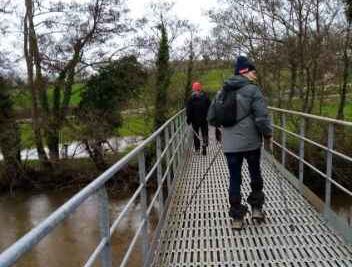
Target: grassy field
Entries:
(133, 125)
(22, 98)
(214, 79)
(142, 125)
(329, 107)
(211, 80)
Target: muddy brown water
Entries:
(76, 238)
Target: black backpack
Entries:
(224, 109)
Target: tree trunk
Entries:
(29, 52)
(188, 89)
(346, 66)
(61, 101)
(293, 84)
(301, 50)
(277, 73)
(52, 140)
(163, 79)
(10, 141)
(10, 148)
(95, 152)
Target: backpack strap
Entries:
(247, 115)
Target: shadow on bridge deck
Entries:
(204, 236)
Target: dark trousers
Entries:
(234, 161)
(204, 129)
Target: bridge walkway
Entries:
(203, 236)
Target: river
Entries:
(73, 241)
(77, 149)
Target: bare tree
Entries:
(10, 144)
(190, 65)
(282, 35)
(34, 78)
(56, 43)
(346, 58)
(157, 42)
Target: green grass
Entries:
(27, 138)
(134, 125)
(76, 94)
(141, 125)
(214, 79)
(22, 98)
(329, 108)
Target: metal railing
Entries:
(330, 124)
(175, 137)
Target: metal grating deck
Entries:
(204, 237)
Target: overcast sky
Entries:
(192, 10)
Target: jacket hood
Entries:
(236, 82)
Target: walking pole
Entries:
(201, 141)
(204, 176)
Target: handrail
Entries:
(311, 116)
(29, 240)
(336, 153)
(328, 148)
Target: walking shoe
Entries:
(258, 214)
(238, 216)
(197, 151)
(237, 224)
(204, 150)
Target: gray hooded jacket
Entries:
(246, 135)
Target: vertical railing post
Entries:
(143, 197)
(301, 152)
(159, 175)
(173, 137)
(273, 133)
(167, 147)
(176, 143)
(330, 144)
(181, 139)
(185, 135)
(178, 126)
(273, 130)
(283, 139)
(104, 226)
(185, 140)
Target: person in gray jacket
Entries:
(244, 140)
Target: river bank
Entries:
(77, 149)
(68, 173)
(74, 169)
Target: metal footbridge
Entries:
(193, 227)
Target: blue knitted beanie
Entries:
(243, 65)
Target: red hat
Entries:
(197, 86)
